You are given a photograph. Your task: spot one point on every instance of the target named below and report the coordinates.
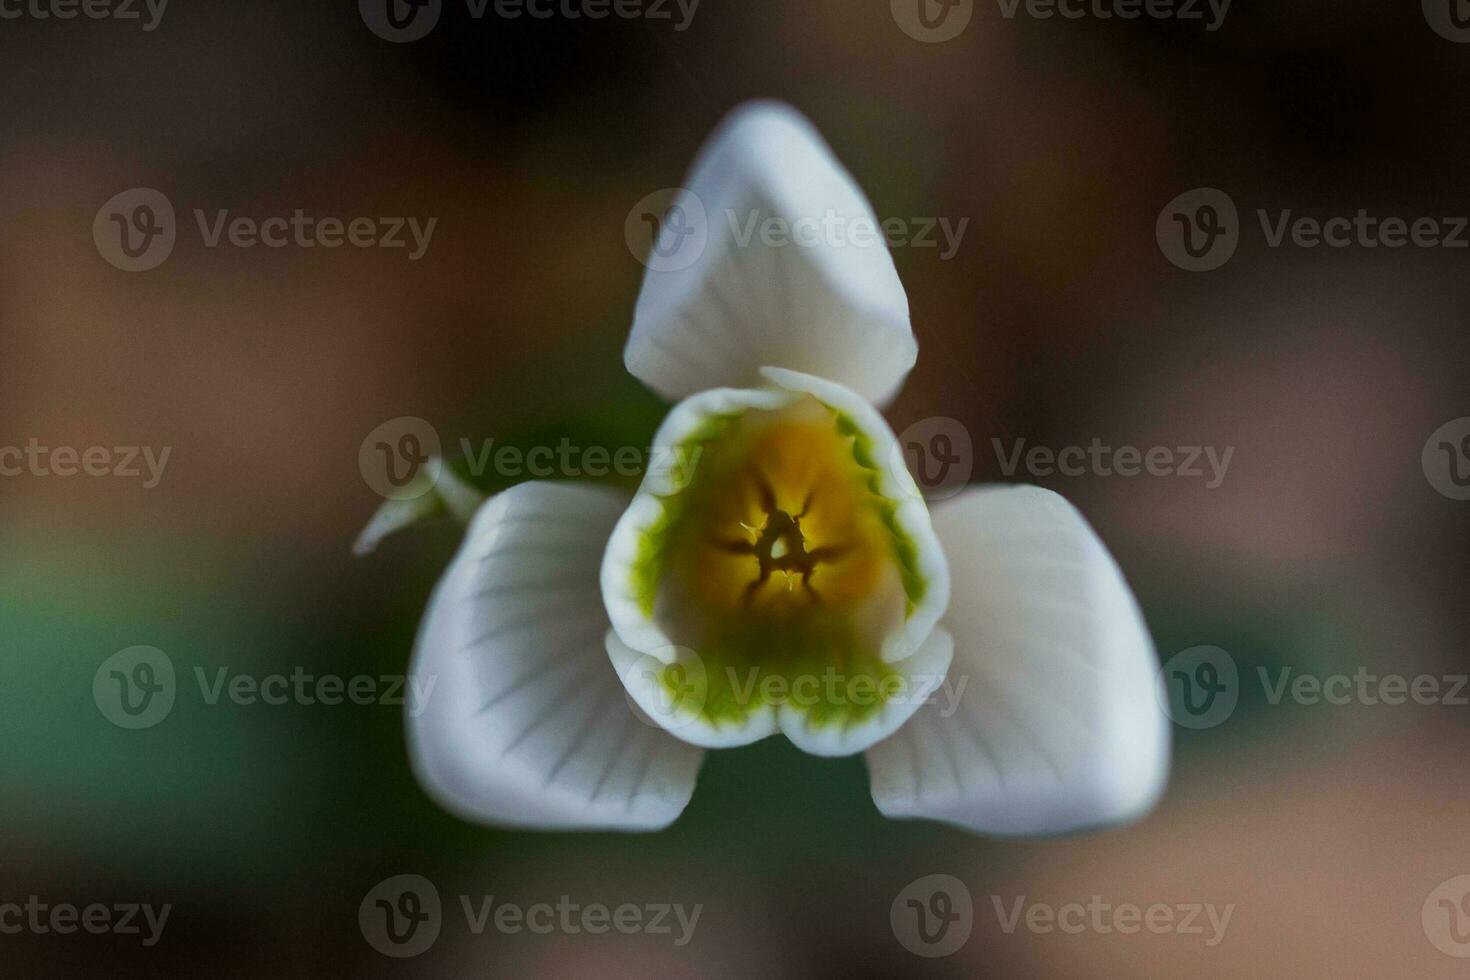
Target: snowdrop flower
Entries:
(782, 573)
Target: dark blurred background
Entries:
(1059, 320)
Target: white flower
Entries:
(782, 573)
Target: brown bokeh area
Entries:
(1058, 321)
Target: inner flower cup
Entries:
(783, 576)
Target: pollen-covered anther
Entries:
(779, 547)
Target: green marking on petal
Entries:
(736, 684)
(915, 585)
(648, 565)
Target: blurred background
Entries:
(1326, 548)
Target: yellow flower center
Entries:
(780, 556)
(780, 524)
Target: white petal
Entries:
(832, 306)
(1057, 729)
(527, 724)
